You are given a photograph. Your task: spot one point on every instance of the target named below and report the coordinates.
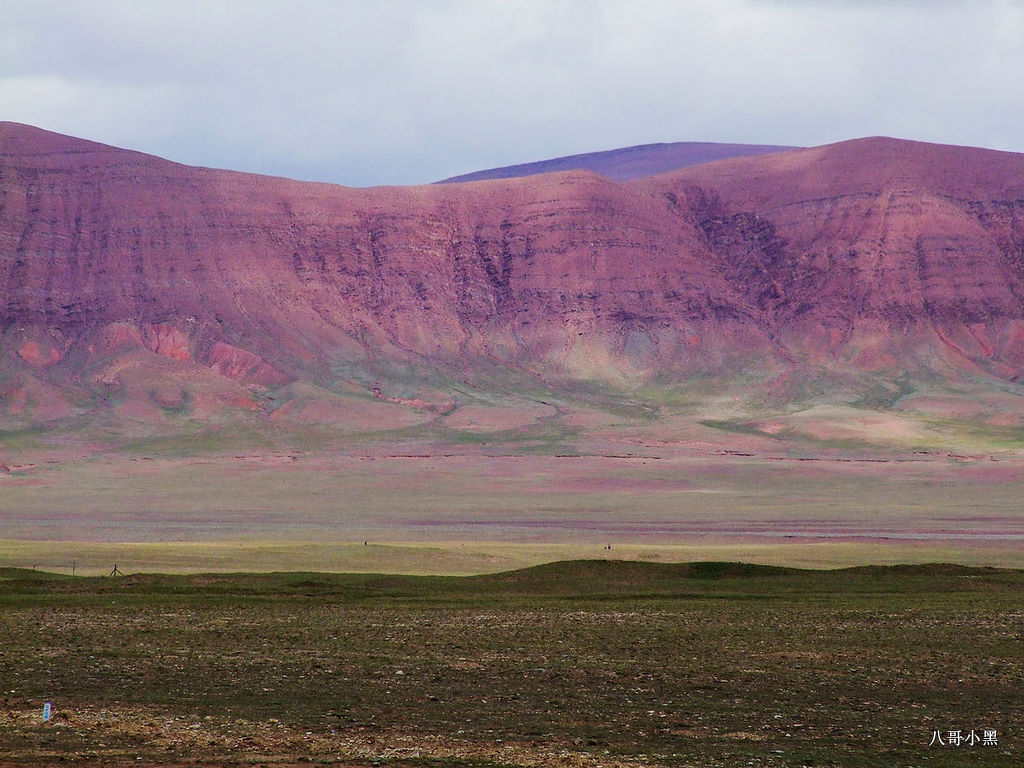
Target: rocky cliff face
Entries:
(875, 245)
(191, 258)
(875, 254)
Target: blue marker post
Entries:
(46, 712)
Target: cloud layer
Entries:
(396, 92)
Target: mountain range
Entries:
(628, 163)
(143, 295)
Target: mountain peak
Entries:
(627, 163)
(19, 138)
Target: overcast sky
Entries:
(367, 92)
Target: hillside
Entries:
(153, 292)
(876, 250)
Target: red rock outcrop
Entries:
(242, 365)
(871, 242)
(876, 253)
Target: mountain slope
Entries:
(873, 243)
(293, 270)
(627, 163)
(152, 291)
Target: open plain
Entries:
(513, 498)
(590, 663)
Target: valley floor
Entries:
(278, 642)
(465, 510)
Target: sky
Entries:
(365, 92)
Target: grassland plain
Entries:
(586, 663)
(427, 510)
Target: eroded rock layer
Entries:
(871, 255)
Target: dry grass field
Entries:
(469, 511)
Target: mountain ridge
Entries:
(626, 163)
(154, 289)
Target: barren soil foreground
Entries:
(571, 664)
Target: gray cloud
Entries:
(405, 92)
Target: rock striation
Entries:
(875, 255)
